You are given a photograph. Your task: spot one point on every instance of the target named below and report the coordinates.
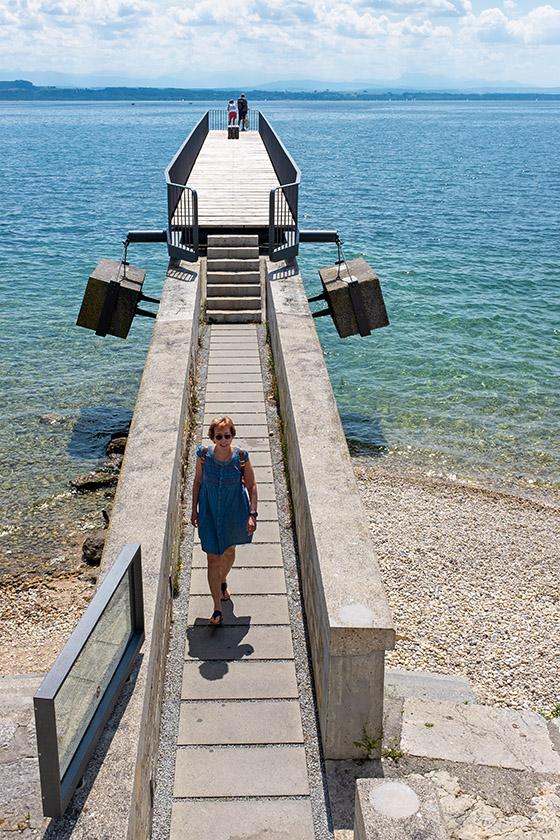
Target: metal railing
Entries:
(183, 239)
(182, 201)
(283, 233)
(218, 120)
(75, 699)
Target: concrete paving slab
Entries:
(244, 582)
(229, 372)
(240, 771)
(216, 408)
(239, 680)
(230, 358)
(268, 511)
(238, 641)
(274, 819)
(267, 532)
(261, 459)
(428, 685)
(226, 390)
(240, 722)
(266, 491)
(242, 609)
(229, 344)
(478, 735)
(220, 353)
(263, 474)
(254, 554)
(248, 418)
(234, 378)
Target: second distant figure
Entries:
(232, 112)
(242, 108)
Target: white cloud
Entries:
(275, 39)
(540, 26)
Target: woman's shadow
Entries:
(214, 647)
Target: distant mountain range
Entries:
(23, 89)
(409, 82)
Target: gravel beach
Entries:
(472, 579)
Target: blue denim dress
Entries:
(223, 504)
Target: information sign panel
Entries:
(79, 692)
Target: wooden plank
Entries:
(233, 179)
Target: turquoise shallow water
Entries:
(455, 205)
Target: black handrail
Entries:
(182, 201)
(219, 118)
(283, 240)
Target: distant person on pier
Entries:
(232, 112)
(224, 506)
(242, 108)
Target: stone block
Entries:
(254, 554)
(398, 810)
(268, 581)
(240, 722)
(245, 819)
(241, 680)
(127, 298)
(365, 295)
(242, 609)
(241, 771)
(482, 735)
(238, 641)
(427, 685)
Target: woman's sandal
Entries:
(225, 592)
(216, 619)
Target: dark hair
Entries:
(218, 422)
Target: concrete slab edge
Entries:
(348, 616)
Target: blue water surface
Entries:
(455, 205)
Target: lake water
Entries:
(455, 205)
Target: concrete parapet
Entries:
(348, 617)
(146, 510)
(398, 810)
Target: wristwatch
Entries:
(254, 513)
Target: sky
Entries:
(205, 43)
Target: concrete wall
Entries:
(348, 617)
(147, 510)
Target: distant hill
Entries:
(24, 90)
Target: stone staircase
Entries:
(233, 283)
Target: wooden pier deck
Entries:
(233, 179)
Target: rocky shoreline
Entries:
(471, 576)
(45, 593)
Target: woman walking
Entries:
(224, 505)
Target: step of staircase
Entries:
(219, 240)
(229, 303)
(232, 264)
(239, 316)
(242, 277)
(239, 253)
(241, 290)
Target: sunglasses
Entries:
(225, 436)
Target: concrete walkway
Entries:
(240, 761)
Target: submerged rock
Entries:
(116, 445)
(93, 547)
(95, 480)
